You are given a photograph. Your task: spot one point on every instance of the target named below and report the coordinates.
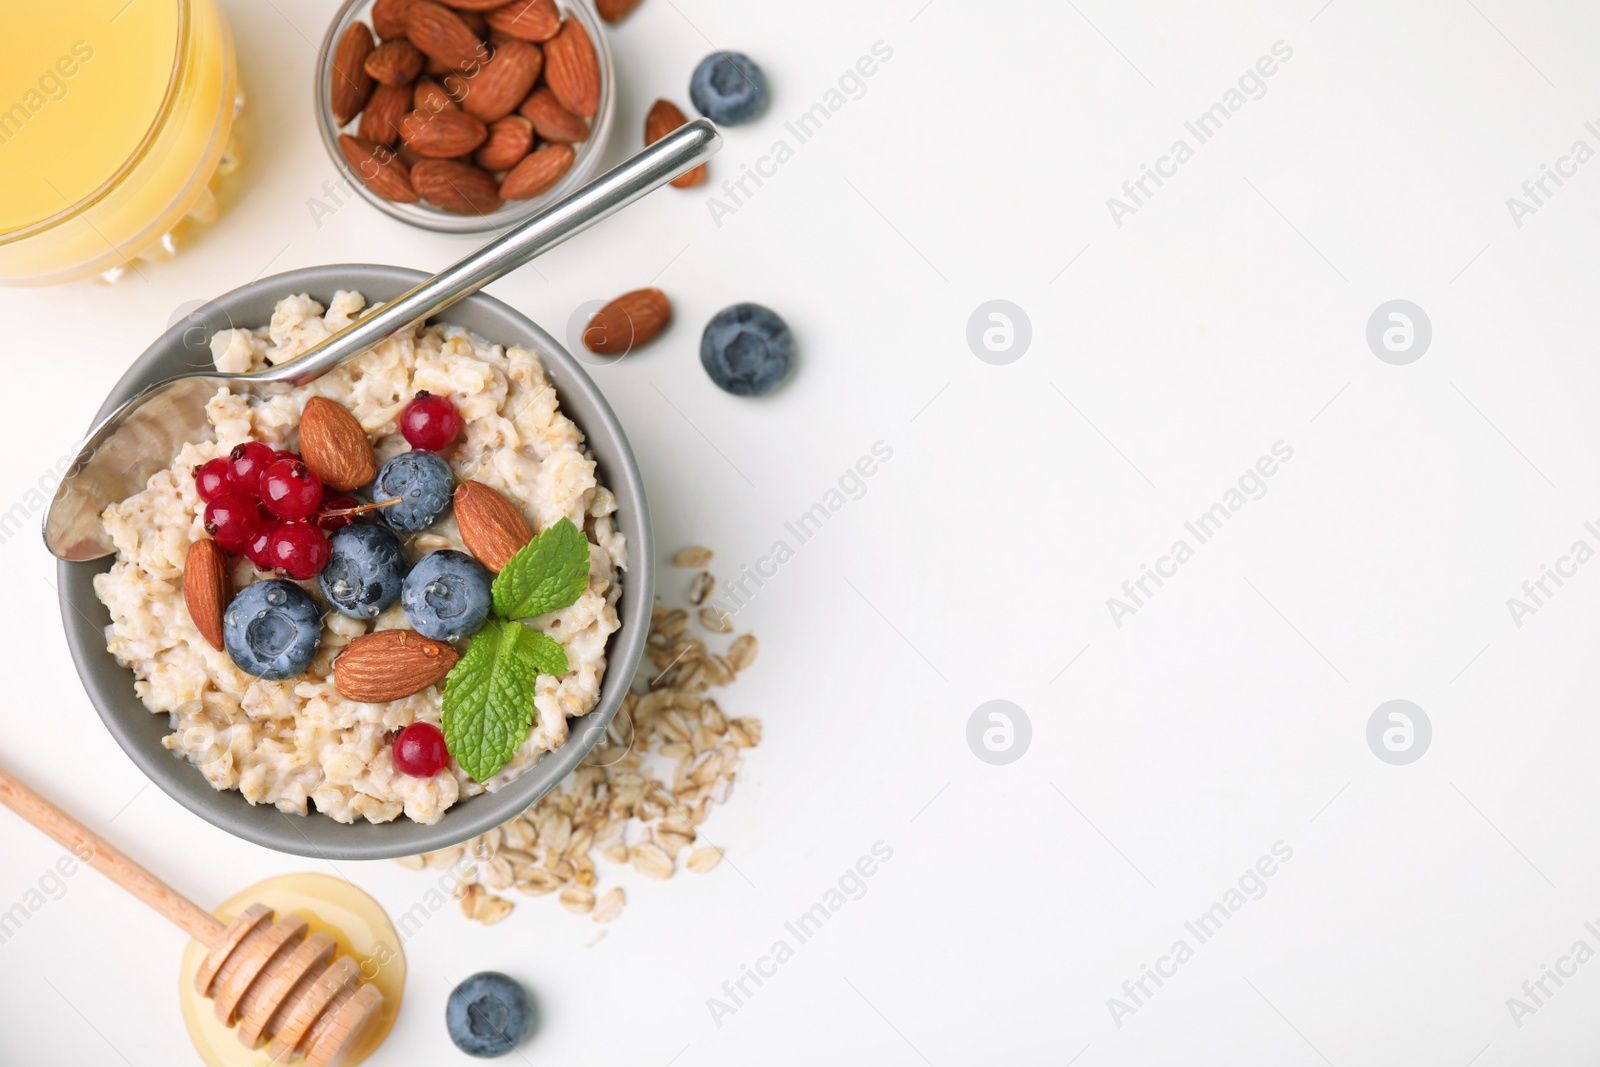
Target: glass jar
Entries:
(590, 152)
(115, 117)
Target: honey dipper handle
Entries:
(100, 854)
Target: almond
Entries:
(496, 88)
(207, 588)
(615, 10)
(571, 69)
(391, 664)
(509, 140)
(538, 173)
(394, 62)
(665, 117)
(351, 85)
(379, 168)
(389, 18)
(630, 320)
(441, 35)
(475, 22)
(552, 121)
(491, 525)
(335, 446)
(457, 187)
(444, 135)
(530, 20)
(430, 96)
(380, 122)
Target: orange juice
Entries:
(114, 118)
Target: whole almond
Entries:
(379, 169)
(497, 87)
(444, 135)
(442, 35)
(429, 96)
(207, 588)
(350, 84)
(334, 445)
(389, 18)
(552, 121)
(538, 173)
(394, 62)
(457, 187)
(571, 69)
(380, 121)
(615, 10)
(664, 117)
(391, 664)
(629, 321)
(509, 140)
(492, 526)
(531, 20)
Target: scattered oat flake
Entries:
(693, 556)
(610, 905)
(701, 588)
(716, 620)
(577, 900)
(702, 860)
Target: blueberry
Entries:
(363, 575)
(423, 482)
(272, 629)
(446, 595)
(488, 1014)
(747, 350)
(728, 88)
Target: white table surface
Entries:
(1169, 753)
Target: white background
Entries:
(1228, 714)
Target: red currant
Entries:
(336, 502)
(430, 423)
(290, 489)
(284, 453)
(419, 750)
(232, 519)
(213, 478)
(299, 550)
(259, 548)
(247, 462)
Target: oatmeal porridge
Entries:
(298, 743)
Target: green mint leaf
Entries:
(488, 695)
(545, 652)
(547, 574)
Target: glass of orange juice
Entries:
(115, 117)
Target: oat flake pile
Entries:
(615, 806)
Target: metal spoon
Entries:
(140, 438)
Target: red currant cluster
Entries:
(270, 507)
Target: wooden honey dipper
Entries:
(278, 986)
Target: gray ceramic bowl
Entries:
(139, 731)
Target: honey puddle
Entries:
(358, 925)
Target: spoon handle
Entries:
(677, 153)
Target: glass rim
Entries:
(142, 149)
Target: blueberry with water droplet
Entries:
(447, 595)
(423, 482)
(272, 629)
(364, 571)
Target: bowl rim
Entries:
(128, 719)
(590, 154)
